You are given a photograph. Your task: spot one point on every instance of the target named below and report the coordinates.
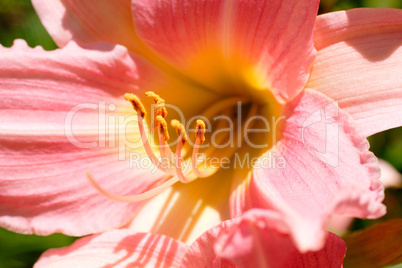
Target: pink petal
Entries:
(43, 183)
(339, 224)
(257, 239)
(359, 63)
(88, 21)
(321, 166)
(202, 254)
(233, 45)
(118, 248)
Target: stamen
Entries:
(141, 112)
(147, 147)
(133, 198)
(161, 123)
(160, 104)
(200, 138)
(200, 130)
(164, 147)
(180, 130)
(155, 96)
(137, 105)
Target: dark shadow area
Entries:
(372, 46)
(149, 246)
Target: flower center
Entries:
(231, 128)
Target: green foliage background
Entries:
(18, 20)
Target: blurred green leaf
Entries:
(18, 20)
(18, 250)
(396, 266)
(382, 3)
(348, 4)
(388, 146)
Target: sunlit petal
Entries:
(322, 166)
(233, 46)
(257, 239)
(88, 22)
(359, 63)
(60, 115)
(118, 248)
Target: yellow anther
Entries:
(137, 105)
(200, 130)
(160, 104)
(181, 131)
(156, 97)
(161, 123)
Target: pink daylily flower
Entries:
(248, 241)
(198, 55)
